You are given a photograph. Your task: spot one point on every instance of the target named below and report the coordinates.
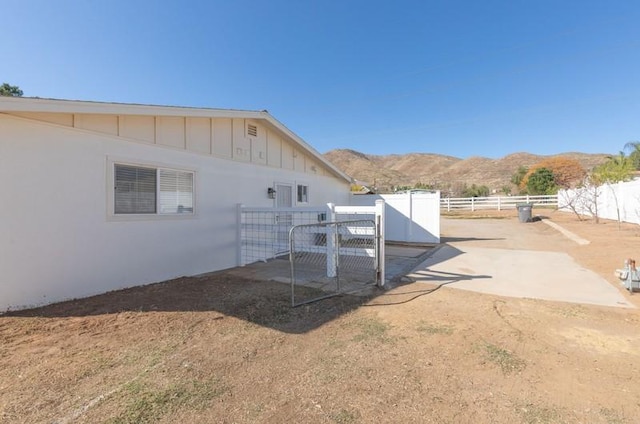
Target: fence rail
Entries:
(497, 203)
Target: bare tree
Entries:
(571, 199)
(591, 192)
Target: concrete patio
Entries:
(492, 256)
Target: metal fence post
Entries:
(239, 260)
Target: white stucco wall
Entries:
(58, 242)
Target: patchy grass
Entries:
(536, 414)
(426, 328)
(345, 417)
(147, 403)
(372, 329)
(612, 416)
(507, 361)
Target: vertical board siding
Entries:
(141, 128)
(222, 137)
(241, 144)
(199, 135)
(107, 124)
(274, 150)
(170, 131)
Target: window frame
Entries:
(157, 215)
(306, 193)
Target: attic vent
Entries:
(252, 130)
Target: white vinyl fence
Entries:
(412, 217)
(496, 203)
(613, 201)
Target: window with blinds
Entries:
(135, 190)
(176, 191)
(144, 190)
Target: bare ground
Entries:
(226, 350)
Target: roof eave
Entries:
(307, 147)
(36, 104)
(43, 105)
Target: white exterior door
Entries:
(284, 195)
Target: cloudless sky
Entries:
(461, 78)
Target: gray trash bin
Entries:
(524, 211)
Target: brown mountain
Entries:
(440, 171)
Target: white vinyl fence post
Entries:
(379, 220)
(332, 265)
(409, 222)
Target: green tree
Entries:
(475, 191)
(615, 169)
(633, 147)
(10, 90)
(517, 177)
(423, 186)
(542, 181)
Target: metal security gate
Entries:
(334, 258)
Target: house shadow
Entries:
(406, 289)
(465, 239)
(425, 273)
(265, 302)
(217, 295)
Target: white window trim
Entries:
(285, 183)
(112, 216)
(306, 184)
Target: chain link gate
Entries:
(332, 258)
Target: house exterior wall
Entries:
(59, 238)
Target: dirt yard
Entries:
(221, 349)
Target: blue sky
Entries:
(461, 78)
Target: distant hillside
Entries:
(440, 171)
